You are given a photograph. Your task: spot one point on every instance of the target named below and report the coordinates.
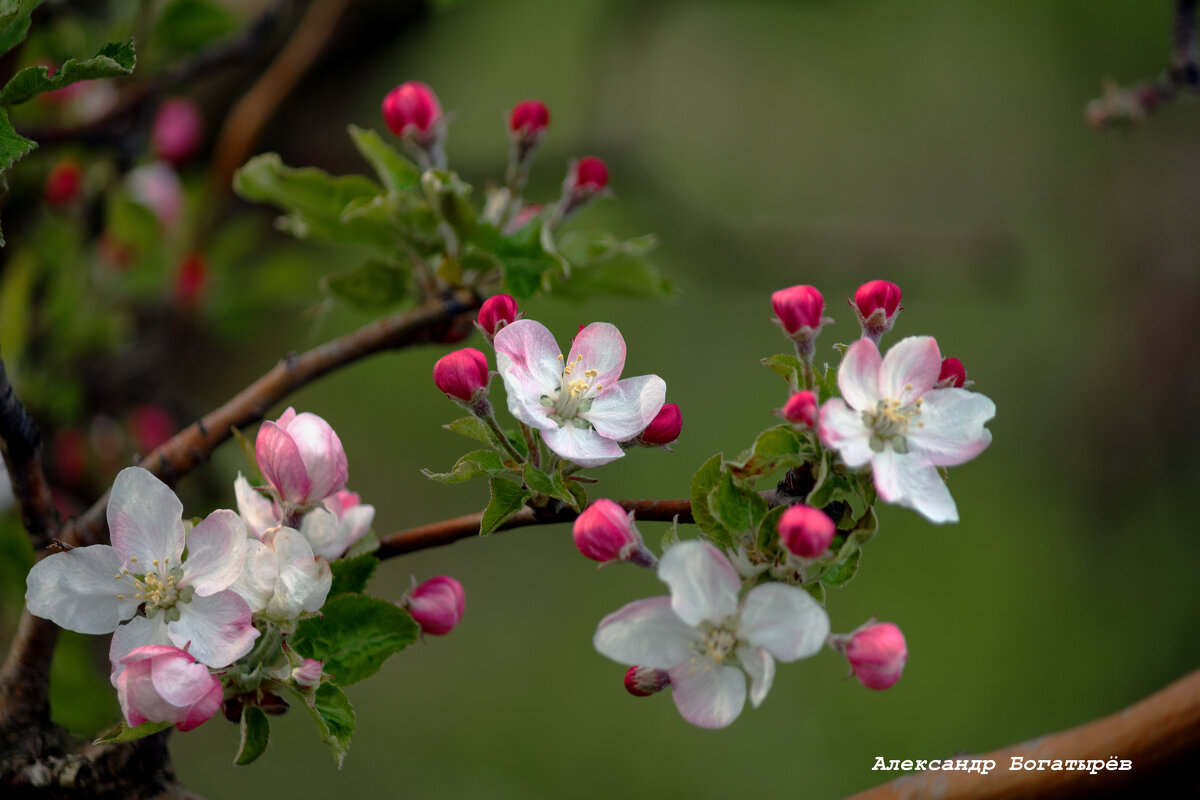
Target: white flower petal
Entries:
(320, 528)
(761, 668)
(843, 429)
(76, 590)
(256, 584)
(953, 429)
(602, 348)
(145, 519)
(256, 511)
(906, 480)
(708, 696)
(623, 410)
(704, 585)
(216, 553)
(216, 629)
(858, 375)
(138, 632)
(910, 369)
(785, 621)
(584, 446)
(645, 633)
(527, 358)
(356, 523)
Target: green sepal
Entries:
(124, 733)
(395, 171)
(350, 575)
(114, 59)
(827, 386)
(354, 635)
(816, 590)
(331, 710)
(247, 447)
(373, 286)
(476, 464)
(508, 498)
(255, 734)
(842, 572)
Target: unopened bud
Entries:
(437, 605)
(589, 175)
(645, 681)
(529, 120)
(799, 311)
(877, 654)
(604, 532)
(496, 312)
(150, 426)
(64, 182)
(877, 304)
(308, 674)
(801, 410)
(191, 280)
(462, 375)
(664, 428)
(953, 374)
(178, 130)
(411, 109)
(806, 531)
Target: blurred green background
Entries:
(937, 144)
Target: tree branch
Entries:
(450, 531)
(20, 443)
(1160, 735)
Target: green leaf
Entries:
(374, 286)
(788, 366)
(256, 732)
(185, 26)
(350, 575)
(13, 146)
(832, 484)
(115, 58)
(826, 383)
(449, 196)
(570, 492)
(316, 201)
(507, 499)
(527, 265)
(395, 171)
(255, 476)
(738, 508)
(14, 22)
(702, 485)
(472, 428)
(552, 486)
(354, 635)
(774, 448)
(816, 590)
(124, 733)
(334, 715)
(602, 264)
(768, 530)
(476, 464)
(367, 544)
(843, 572)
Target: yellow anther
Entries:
(117, 576)
(597, 387)
(560, 356)
(155, 562)
(591, 373)
(133, 559)
(908, 387)
(120, 597)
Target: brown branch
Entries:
(193, 445)
(20, 443)
(450, 531)
(251, 113)
(1160, 735)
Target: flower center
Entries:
(157, 589)
(712, 649)
(574, 395)
(890, 421)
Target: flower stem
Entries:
(494, 427)
(531, 442)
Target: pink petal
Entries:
(584, 446)
(704, 585)
(256, 511)
(215, 629)
(623, 410)
(843, 429)
(785, 621)
(527, 358)
(145, 519)
(858, 375)
(178, 679)
(322, 453)
(708, 696)
(138, 633)
(761, 668)
(216, 553)
(645, 633)
(953, 429)
(279, 459)
(203, 710)
(76, 590)
(910, 369)
(603, 349)
(906, 480)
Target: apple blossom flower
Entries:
(258, 513)
(876, 304)
(604, 532)
(704, 638)
(579, 405)
(806, 531)
(160, 683)
(437, 604)
(892, 417)
(645, 681)
(334, 529)
(496, 312)
(178, 130)
(185, 602)
(283, 578)
(301, 457)
(801, 410)
(664, 428)
(877, 653)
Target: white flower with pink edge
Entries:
(283, 578)
(165, 684)
(891, 417)
(183, 602)
(704, 638)
(578, 403)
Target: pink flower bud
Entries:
(64, 182)
(150, 426)
(411, 109)
(437, 605)
(522, 218)
(806, 531)
(801, 410)
(877, 654)
(178, 130)
(529, 119)
(165, 684)
(462, 375)
(798, 308)
(496, 312)
(157, 187)
(308, 674)
(876, 303)
(190, 280)
(953, 373)
(604, 532)
(301, 457)
(590, 174)
(645, 681)
(665, 426)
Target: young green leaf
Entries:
(354, 635)
(788, 366)
(507, 499)
(373, 286)
(114, 59)
(14, 22)
(350, 575)
(702, 485)
(476, 464)
(472, 428)
(124, 733)
(256, 733)
(334, 715)
(395, 171)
